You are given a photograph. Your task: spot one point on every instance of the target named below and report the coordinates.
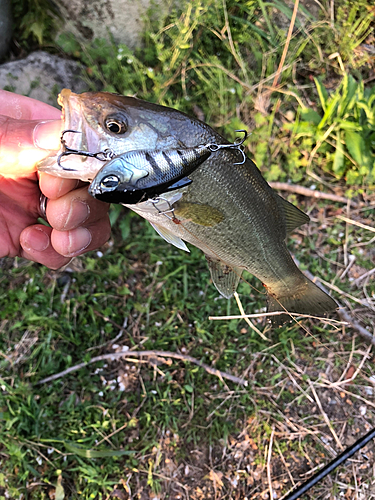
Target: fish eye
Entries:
(111, 181)
(116, 125)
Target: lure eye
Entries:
(110, 182)
(115, 125)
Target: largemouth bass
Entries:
(228, 211)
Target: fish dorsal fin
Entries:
(198, 213)
(224, 277)
(170, 237)
(294, 217)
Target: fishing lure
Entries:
(137, 176)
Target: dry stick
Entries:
(284, 186)
(243, 315)
(278, 313)
(343, 313)
(288, 38)
(269, 464)
(139, 354)
(327, 420)
(355, 223)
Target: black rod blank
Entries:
(331, 466)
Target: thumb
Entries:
(25, 142)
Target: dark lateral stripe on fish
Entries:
(153, 163)
(171, 165)
(181, 154)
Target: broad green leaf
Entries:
(338, 160)
(331, 110)
(309, 115)
(354, 143)
(322, 92)
(348, 92)
(90, 453)
(59, 491)
(347, 125)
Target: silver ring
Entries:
(43, 206)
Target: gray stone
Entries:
(5, 26)
(311, 6)
(120, 19)
(42, 76)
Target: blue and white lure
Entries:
(136, 176)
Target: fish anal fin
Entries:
(169, 237)
(224, 277)
(294, 217)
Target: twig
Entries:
(139, 354)
(363, 276)
(269, 464)
(243, 315)
(355, 374)
(286, 46)
(345, 316)
(277, 313)
(355, 223)
(311, 193)
(343, 313)
(365, 303)
(328, 422)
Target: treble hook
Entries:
(105, 155)
(170, 210)
(235, 145)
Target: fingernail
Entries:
(78, 214)
(47, 133)
(79, 239)
(37, 240)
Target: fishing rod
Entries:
(331, 466)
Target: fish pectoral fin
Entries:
(224, 277)
(294, 217)
(170, 237)
(198, 213)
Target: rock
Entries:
(120, 19)
(5, 26)
(42, 76)
(283, 21)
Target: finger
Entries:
(23, 143)
(82, 239)
(25, 108)
(54, 187)
(74, 209)
(36, 246)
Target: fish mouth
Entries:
(77, 136)
(73, 120)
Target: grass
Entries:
(162, 428)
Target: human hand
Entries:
(28, 130)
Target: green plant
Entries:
(35, 20)
(343, 133)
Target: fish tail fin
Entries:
(306, 298)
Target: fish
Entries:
(136, 176)
(228, 211)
